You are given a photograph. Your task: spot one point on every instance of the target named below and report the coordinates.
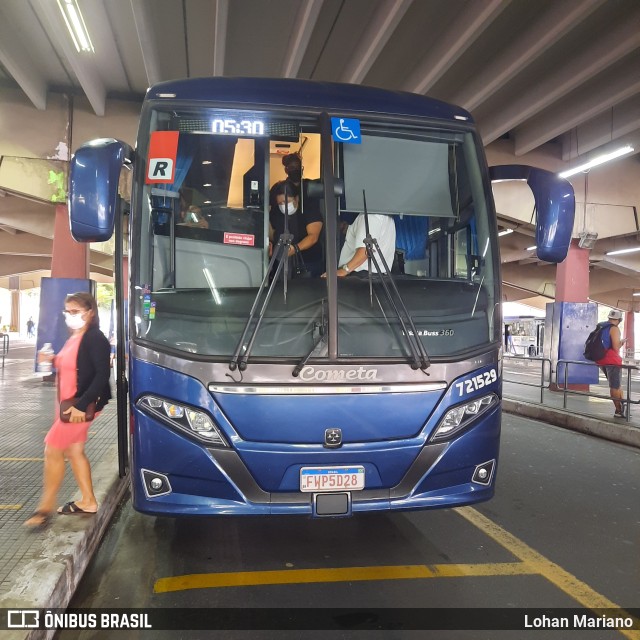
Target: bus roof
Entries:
(306, 94)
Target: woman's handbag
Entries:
(89, 414)
(299, 267)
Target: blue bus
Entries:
(252, 390)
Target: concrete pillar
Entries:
(70, 259)
(572, 275)
(69, 273)
(572, 288)
(14, 324)
(628, 333)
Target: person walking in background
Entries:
(83, 375)
(611, 364)
(508, 340)
(30, 327)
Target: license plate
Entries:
(316, 479)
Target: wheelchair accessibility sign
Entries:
(346, 130)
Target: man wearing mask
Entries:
(304, 226)
(292, 164)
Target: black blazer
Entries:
(93, 370)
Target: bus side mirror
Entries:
(555, 206)
(93, 188)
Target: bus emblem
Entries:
(333, 438)
(310, 374)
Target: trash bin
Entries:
(532, 350)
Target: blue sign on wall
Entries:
(346, 130)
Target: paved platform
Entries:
(39, 570)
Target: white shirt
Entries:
(382, 228)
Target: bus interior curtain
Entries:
(411, 234)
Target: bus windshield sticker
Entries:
(346, 130)
(146, 306)
(163, 150)
(245, 239)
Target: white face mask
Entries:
(74, 322)
(291, 208)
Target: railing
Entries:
(547, 378)
(4, 347)
(543, 369)
(626, 400)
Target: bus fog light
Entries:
(155, 484)
(484, 472)
(457, 418)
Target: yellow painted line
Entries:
(21, 459)
(10, 507)
(342, 574)
(572, 586)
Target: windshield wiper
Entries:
(419, 356)
(321, 327)
(281, 255)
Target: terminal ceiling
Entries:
(549, 83)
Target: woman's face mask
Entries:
(74, 322)
(291, 208)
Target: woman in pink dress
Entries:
(83, 373)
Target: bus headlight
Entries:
(459, 417)
(188, 419)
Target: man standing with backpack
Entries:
(611, 362)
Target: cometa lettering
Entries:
(309, 374)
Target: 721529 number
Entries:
(476, 382)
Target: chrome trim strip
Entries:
(321, 389)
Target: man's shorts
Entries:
(614, 375)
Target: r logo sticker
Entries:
(163, 150)
(160, 169)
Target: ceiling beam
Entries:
(614, 43)
(25, 244)
(146, 38)
(28, 216)
(380, 28)
(301, 31)
(81, 64)
(622, 120)
(104, 41)
(15, 59)
(547, 29)
(15, 265)
(464, 31)
(586, 102)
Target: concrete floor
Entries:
(562, 531)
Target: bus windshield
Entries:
(207, 220)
